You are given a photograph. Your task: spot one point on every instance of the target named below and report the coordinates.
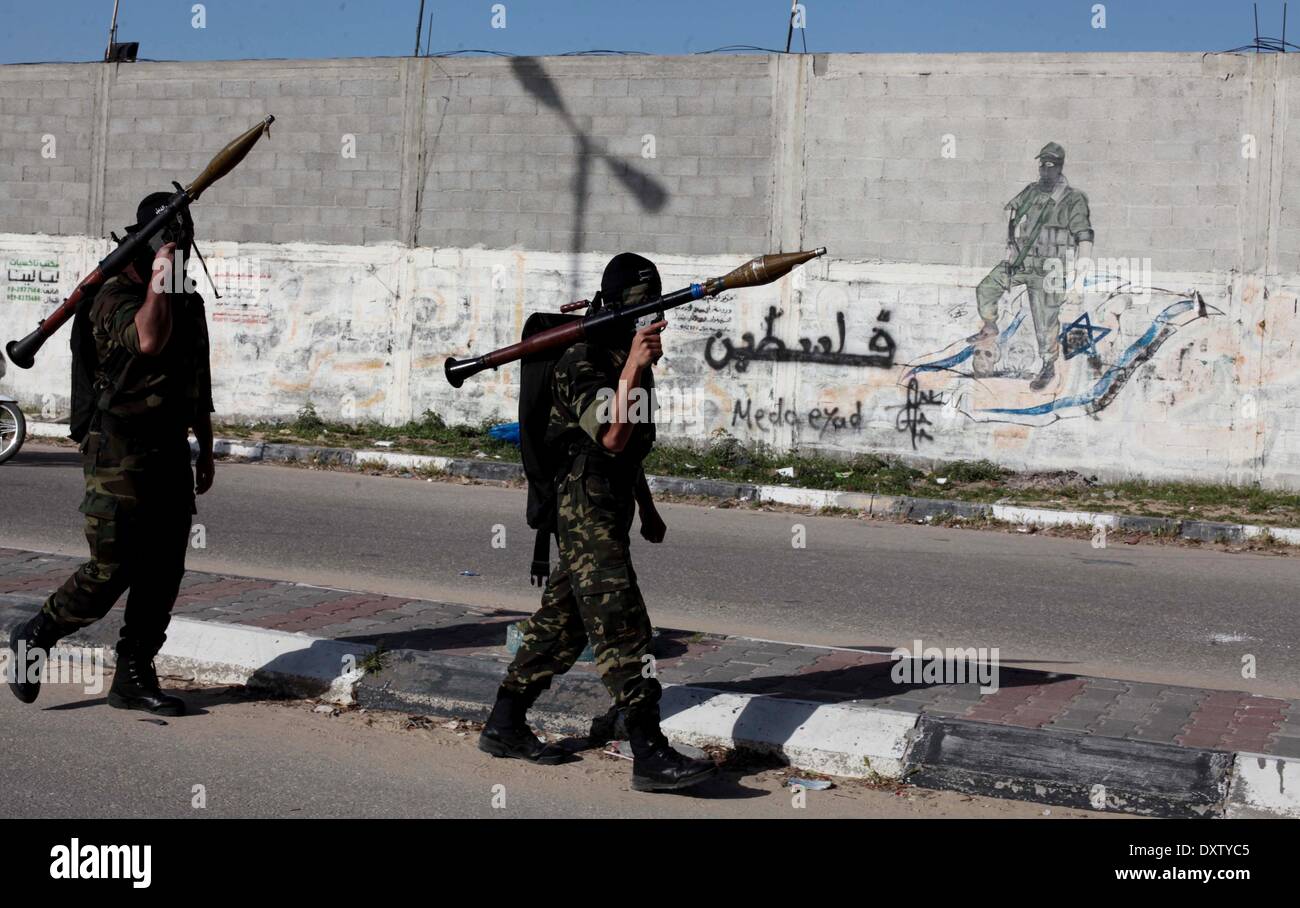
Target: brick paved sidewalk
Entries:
(1193, 717)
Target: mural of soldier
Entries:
(1048, 220)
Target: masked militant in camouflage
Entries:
(592, 594)
(141, 381)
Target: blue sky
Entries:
(76, 30)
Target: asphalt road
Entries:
(1143, 612)
(71, 755)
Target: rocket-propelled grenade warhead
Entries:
(764, 269)
(228, 158)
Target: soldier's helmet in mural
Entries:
(1052, 152)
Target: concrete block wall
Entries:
(166, 120)
(912, 158)
(47, 128)
(482, 190)
(664, 155)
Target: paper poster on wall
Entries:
(32, 279)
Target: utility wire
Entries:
(606, 53)
(1263, 42)
(470, 50)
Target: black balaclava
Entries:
(628, 279)
(180, 231)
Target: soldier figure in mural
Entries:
(1048, 225)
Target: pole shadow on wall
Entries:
(649, 192)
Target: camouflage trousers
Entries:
(592, 594)
(138, 504)
(1044, 305)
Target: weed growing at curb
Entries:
(373, 662)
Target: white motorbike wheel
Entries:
(13, 430)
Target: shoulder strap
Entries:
(541, 566)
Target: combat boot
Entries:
(507, 734)
(40, 633)
(656, 764)
(1044, 378)
(135, 686)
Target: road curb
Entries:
(1048, 766)
(851, 742)
(1264, 786)
(904, 507)
(209, 652)
(1069, 769)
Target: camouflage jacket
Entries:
(585, 384)
(170, 389)
(1066, 220)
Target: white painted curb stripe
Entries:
(1289, 535)
(47, 429)
(401, 461)
(807, 498)
(214, 653)
(1049, 518)
(234, 449)
(1264, 785)
(815, 498)
(851, 742)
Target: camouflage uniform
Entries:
(1065, 223)
(136, 459)
(592, 591)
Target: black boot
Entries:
(656, 765)
(135, 686)
(1045, 376)
(606, 728)
(40, 633)
(507, 734)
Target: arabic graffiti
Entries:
(32, 280)
(772, 349)
(241, 283)
(911, 415)
(819, 419)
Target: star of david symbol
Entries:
(1081, 336)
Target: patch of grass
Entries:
(428, 434)
(1212, 497)
(307, 424)
(963, 471)
(1265, 540)
(427, 472)
(725, 457)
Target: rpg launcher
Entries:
(609, 322)
(22, 353)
